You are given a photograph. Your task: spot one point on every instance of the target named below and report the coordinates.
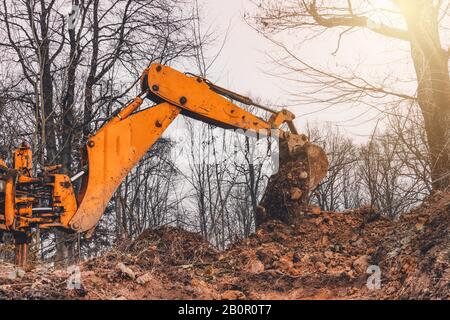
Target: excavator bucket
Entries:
(302, 166)
(306, 160)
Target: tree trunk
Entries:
(433, 85)
(90, 82)
(64, 249)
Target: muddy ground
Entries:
(326, 256)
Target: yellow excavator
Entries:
(48, 199)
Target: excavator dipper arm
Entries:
(112, 152)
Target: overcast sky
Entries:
(244, 63)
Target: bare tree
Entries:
(413, 151)
(339, 190)
(391, 186)
(387, 172)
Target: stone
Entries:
(296, 194)
(321, 267)
(146, 277)
(303, 175)
(286, 262)
(126, 270)
(16, 273)
(255, 266)
(325, 241)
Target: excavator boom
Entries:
(112, 152)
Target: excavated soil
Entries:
(325, 256)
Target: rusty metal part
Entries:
(294, 147)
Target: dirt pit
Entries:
(327, 255)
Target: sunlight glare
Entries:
(384, 12)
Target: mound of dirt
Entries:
(169, 246)
(334, 254)
(327, 255)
